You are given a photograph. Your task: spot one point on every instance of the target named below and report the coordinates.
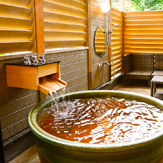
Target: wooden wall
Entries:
(143, 32)
(99, 76)
(17, 27)
(65, 23)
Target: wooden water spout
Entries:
(51, 84)
(43, 77)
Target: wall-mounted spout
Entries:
(106, 62)
(100, 65)
(42, 77)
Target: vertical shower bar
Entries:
(109, 49)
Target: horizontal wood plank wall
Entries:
(116, 42)
(143, 32)
(17, 26)
(65, 23)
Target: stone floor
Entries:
(31, 156)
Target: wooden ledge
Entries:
(21, 55)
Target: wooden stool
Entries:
(155, 80)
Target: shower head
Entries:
(115, 25)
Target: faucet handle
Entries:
(34, 59)
(42, 58)
(27, 60)
(99, 65)
(107, 62)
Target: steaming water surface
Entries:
(101, 121)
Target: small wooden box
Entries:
(43, 77)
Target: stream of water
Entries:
(55, 96)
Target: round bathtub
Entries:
(53, 149)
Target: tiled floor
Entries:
(31, 156)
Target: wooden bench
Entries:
(158, 65)
(138, 66)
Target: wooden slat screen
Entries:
(65, 23)
(143, 32)
(17, 26)
(116, 42)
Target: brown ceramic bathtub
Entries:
(53, 149)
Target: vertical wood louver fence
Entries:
(143, 32)
(65, 23)
(116, 42)
(17, 26)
